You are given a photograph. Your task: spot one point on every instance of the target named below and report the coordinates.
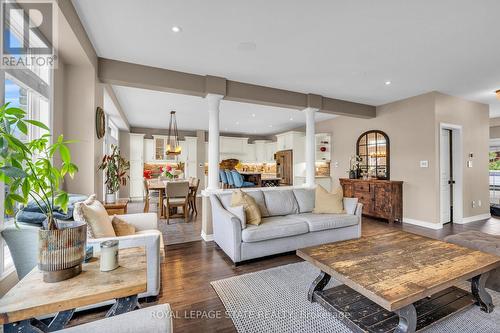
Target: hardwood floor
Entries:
(190, 267)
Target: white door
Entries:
(445, 177)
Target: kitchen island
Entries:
(261, 179)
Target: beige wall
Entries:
(495, 132)
(413, 127)
(474, 119)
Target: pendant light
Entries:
(173, 147)
(498, 94)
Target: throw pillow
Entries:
(239, 212)
(252, 212)
(121, 227)
(350, 205)
(328, 203)
(92, 212)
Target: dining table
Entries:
(160, 185)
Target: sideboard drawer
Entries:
(361, 187)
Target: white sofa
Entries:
(288, 223)
(148, 236)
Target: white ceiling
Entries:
(151, 109)
(337, 48)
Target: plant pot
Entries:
(61, 252)
(110, 198)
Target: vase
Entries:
(61, 252)
(110, 198)
(352, 174)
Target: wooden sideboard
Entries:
(380, 198)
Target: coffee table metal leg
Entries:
(319, 283)
(407, 319)
(122, 305)
(483, 299)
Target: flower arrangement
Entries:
(354, 170)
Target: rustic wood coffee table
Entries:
(398, 282)
(32, 297)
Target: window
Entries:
(494, 167)
(37, 107)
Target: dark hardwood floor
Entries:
(190, 267)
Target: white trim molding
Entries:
(207, 238)
(424, 224)
(474, 218)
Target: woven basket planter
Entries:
(61, 252)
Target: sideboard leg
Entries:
(407, 319)
(483, 299)
(318, 284)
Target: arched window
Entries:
(374, 150)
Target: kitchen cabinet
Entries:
(270, 150)
(136, 166)
(287, 140)
(250, 153)
(149, 150)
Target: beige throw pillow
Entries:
(121, 227)
(94, 214)
(328, 203)
(252, 211)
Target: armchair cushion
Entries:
(92, 212)
(121, 227)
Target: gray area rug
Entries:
(274, 300)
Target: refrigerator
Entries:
(284, 167)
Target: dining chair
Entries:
(238, 180)
(193, 190)
(149, 196)
(223, 178)
(177, 195)
(230, 180)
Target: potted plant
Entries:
(115, 170)
(27, 168)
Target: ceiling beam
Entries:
(139, 76)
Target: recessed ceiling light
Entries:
(176, 28)
(270, 125)
(237, 123)
(291, 118)
(253, 115)
(388, 83)
(225, 128)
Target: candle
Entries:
(109, 255)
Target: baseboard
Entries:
(207, 238)
(473, 218)
(424, 224)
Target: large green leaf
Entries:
(65, 154)
(21, 125)
(12, 172)
(37, 124)
(15, 111)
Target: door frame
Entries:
(458, 172)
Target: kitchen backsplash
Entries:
(257, 167)
(323, 169)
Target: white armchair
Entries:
(148, 236)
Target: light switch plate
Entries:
(424, 164)
(469, 164)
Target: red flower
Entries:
(169, 168)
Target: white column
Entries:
(213, 140)
(310, 146)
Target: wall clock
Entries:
(100, 122)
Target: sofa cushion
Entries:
(92, 212)
(350, 205)
(280, 202)
(318, 222)
(274, 227)
(252, 211)
(225, 199)
(328, 203)
(305, 199)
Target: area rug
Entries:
(274, 300)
